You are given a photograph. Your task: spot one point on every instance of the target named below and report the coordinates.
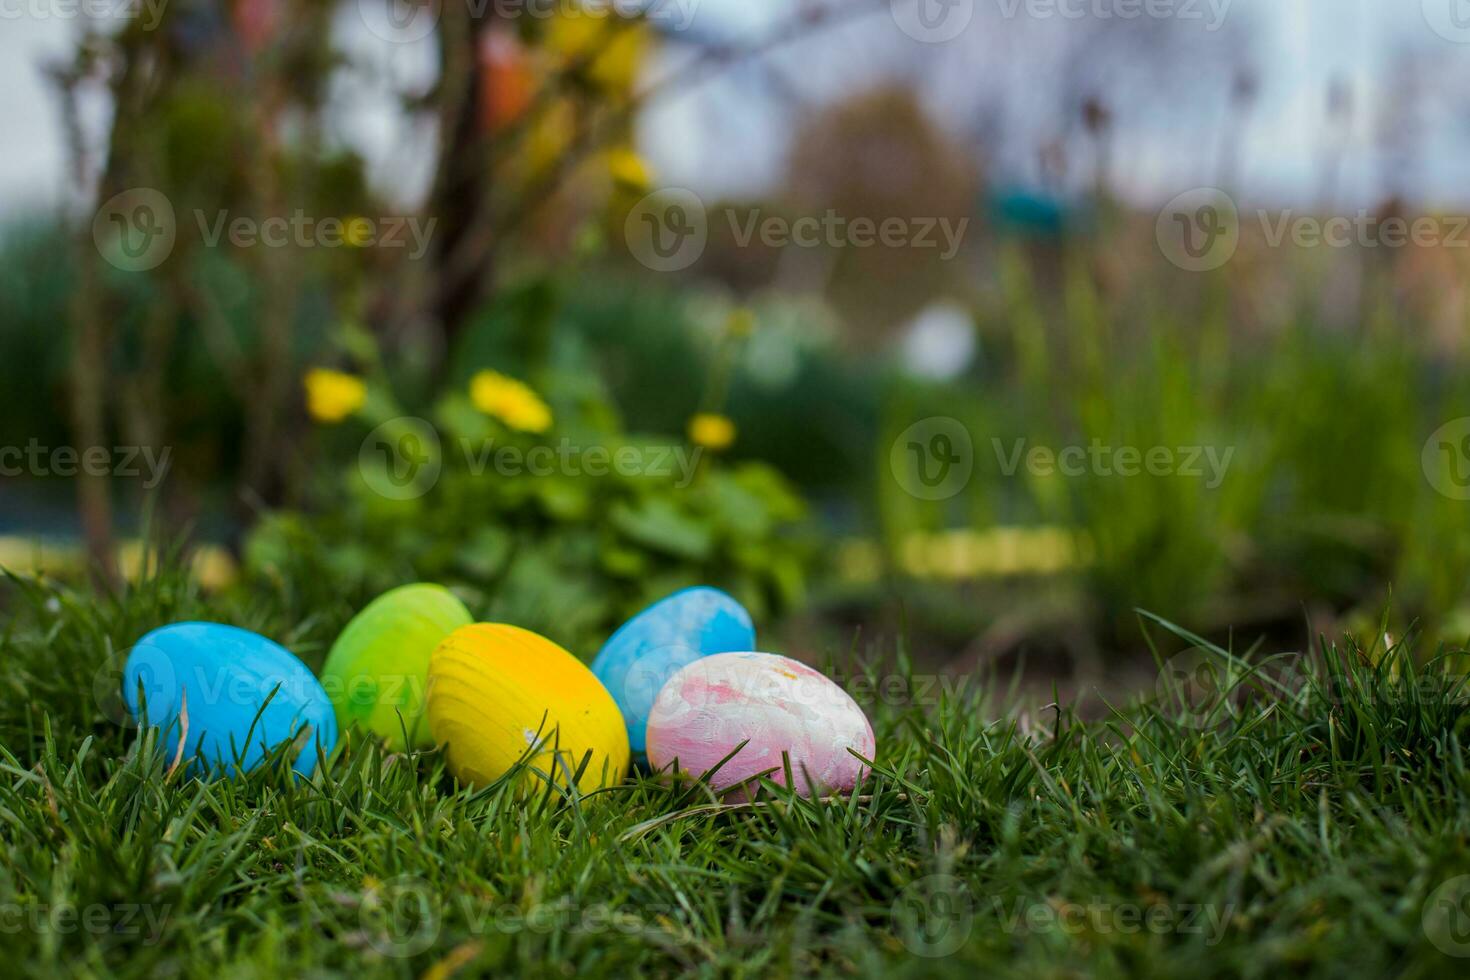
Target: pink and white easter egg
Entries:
(772, 703)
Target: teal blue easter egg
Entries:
(651, 647)
(229, 695)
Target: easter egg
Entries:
(500, 693)
(231, 695)
(377, 671)
(774, 705)
(636, 662)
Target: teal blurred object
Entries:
(1030, 213)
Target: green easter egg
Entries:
(377, 671)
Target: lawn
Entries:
(1314, 821)
(1013, 374)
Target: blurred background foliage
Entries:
(1058, 323)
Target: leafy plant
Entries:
(542, 513)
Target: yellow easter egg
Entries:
(495, 691)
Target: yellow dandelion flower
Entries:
(331, 396)
(713, 432)
(573, 36)
(615, 51)
(510, 401)
(629, 169)
(357, 231)
(740, 322)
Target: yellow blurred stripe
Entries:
(966, 553)
(212, 565)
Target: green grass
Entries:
(1256, 834)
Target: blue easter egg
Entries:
(651, 647)
(210, 683)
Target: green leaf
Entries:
(658, 524)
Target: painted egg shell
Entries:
(378, 670)
(210, 683)
(495, 691)
(772, 703)
(636, 662)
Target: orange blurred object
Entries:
(506, 82)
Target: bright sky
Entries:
(729, 136)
